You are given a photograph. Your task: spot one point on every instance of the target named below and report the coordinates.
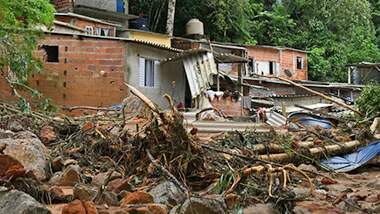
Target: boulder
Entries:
(16, 202)
(69, 177)
(203, 205)
(26, 148)
(167, 193)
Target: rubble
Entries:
(95, 164)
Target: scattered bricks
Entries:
(47, 135)
(118, 185)
(137, 198)
(79, 207)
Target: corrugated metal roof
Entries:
(199, 70)
(151, 44)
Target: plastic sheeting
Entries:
(308, 119)
(354, 160)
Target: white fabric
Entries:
(212, 94)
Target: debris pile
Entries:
(95, 164)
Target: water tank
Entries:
(194, 27)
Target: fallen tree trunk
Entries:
(273, 148)
(315, 153)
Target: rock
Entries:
(56, 191)
(84, 192)
(308, 167)
(147, 209)
(118, 185)
(15, 126)
(69, 177)
(137, 198)
(79, 207)
(167, 193)
(47, 135)
(10, 167)
(260, 209)
(57, 164)
(99, 179)
(109, 198)
(232, 200)
(203, 205)
(16, 202)
(28, 150)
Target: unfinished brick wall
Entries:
(62, 5)
(289, 61)
(82, 23)
(287, 58)
(90, 72)
(263, 54)
(228, 106)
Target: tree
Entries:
(20, 23)
(170, 19)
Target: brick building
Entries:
(277, 61)
(79, 71)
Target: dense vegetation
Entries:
(20, 28)
(335, 32)
(369, 101)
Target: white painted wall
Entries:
(166, 74)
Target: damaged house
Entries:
(85, 64)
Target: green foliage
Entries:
(335, 33)
(19, 32)
(369, 101)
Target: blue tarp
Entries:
(308, 119)
(354, 160)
